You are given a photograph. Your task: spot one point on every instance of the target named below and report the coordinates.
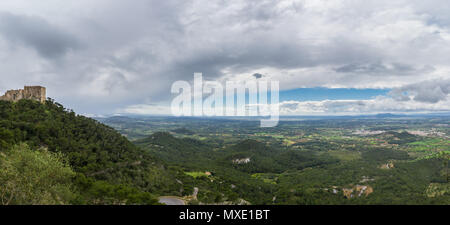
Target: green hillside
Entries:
(107, 168)
(232, 177)
(261, 173)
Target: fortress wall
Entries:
(37, 93)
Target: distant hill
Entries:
(386, 115)
(393, 137)
(183, 131)
(171, 149)
(192, 153)
(198, 157)
(232, 165)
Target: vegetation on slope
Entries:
(34, 177)
(263, 174)
(231, 180)
(108, 168)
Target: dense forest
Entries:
(286, 176)
(93, 163)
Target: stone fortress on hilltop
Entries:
(28, 92)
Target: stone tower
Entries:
(28, 92)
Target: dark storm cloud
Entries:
(257, 75)
(48, 40)
(382, 68)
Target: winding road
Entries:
(169, 200)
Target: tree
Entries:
(34, 177)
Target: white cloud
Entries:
(143, 109)
(111, 54)
(431, 91)
(380, 104)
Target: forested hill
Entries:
(231, 173)
(107, 167)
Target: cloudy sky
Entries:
(331, 57)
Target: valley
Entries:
(355, 160)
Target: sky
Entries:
(107, 57)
